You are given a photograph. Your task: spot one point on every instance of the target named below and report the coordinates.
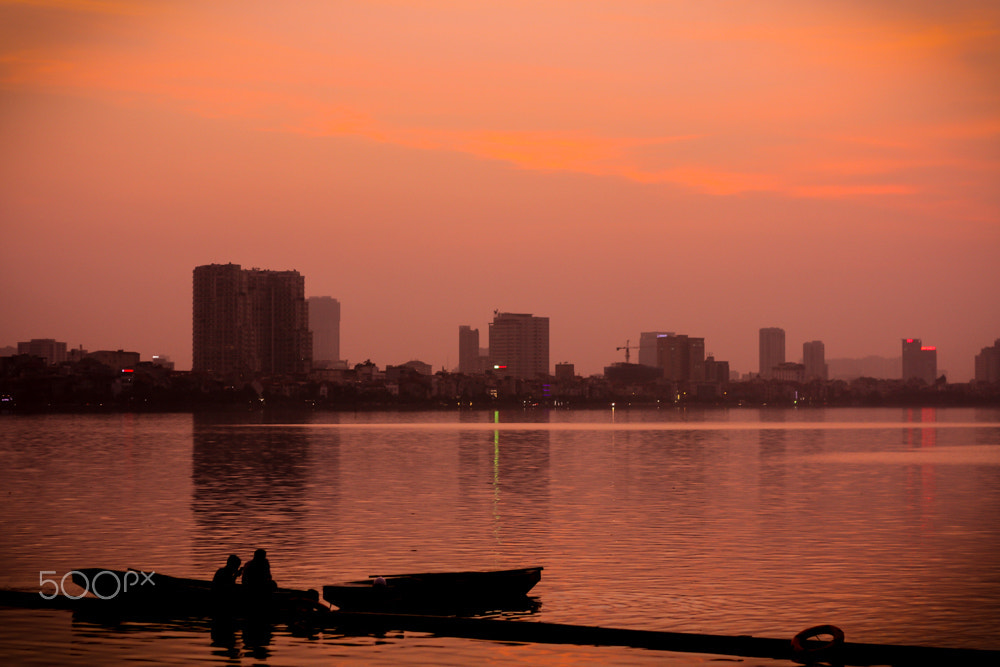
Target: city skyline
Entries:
(772, 347)
(829, 169)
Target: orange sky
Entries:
(710, 168)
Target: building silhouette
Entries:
(814, 360)
(681, 357)
(116, 359)
(565, 372)
(49, 349)
(772, 350)
(919, 361)
(519, 345)
(647, 346)
(249, 322)
(716, 371)
(324, 323)
(468, 350)
(988, 363)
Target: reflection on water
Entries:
(718, 521)
(505, 474)
(251, 491)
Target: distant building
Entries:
(988, 364)
(716, 371)
(419, 366)
(919, 361)
(871, 366)
(324, 323)
(789, 372)
(814, 360)
(772, 350)
(163, 361)
(468, 350)
(626, 373)
(116, 359)
(49, 349)
(519, 345)
(681, 357)
(250, 322)
(565, 372)
(647, 346)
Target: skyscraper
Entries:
(647, 346)
(814, 359)
(324, 323)
(250, 322)
(468, 350)
(681, 357)
(988, 363)
(772, 350)
(919, 361)
(519, 345)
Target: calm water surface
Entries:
(885, 522)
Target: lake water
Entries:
(885, 522)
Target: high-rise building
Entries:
(814, 359)
(772, 350)
(716, 371)
(468, 350)
(250, 322)
(681, 357)
(49, 349)
(647, 346)
(988, 363)
(324, 323)
(919, 361)
(519, 345)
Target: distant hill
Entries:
(873, 367)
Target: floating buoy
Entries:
(801, 647)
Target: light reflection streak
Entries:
(496, 477)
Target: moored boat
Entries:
(136, 591)
(466, 592)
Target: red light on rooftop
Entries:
(909, 340)
(928, 348)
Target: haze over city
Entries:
(829, 168)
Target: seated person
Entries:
(257, 575)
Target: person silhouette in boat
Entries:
(224, 583)
(257, 581)
(224, 580)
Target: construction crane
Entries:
(627, 349)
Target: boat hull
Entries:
(133, 591)
(473, 592)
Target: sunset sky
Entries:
(709, 168)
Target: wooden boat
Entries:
(135, 591)
(470, 592)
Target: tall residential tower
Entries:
(772, 350)
(519, 345)
(468, 350)
(250, 322)
(919, 361)
(814, 360)
(324, 323)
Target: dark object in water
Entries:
(438, 592)
(152, 593)
(503, 630)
